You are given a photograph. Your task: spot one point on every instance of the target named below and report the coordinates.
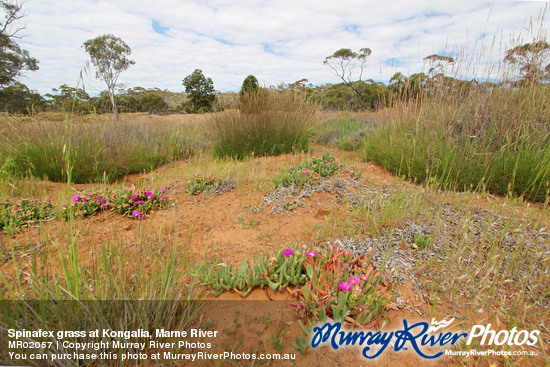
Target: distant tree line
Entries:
(109, 55)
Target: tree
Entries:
(531, 59)
(344, 63)
(250, 85)
(153, 103)
(13, 59)
(109, 54)
(17, 98)
(200, 90)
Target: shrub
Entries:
(268, 123)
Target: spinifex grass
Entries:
(331, 282)
(308, 171)
(471, 136)
(100, 151)
(268, 123)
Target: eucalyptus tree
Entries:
(109, 54)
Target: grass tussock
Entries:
(496, 140)
(464, 134)
(100, 151)
(268, 123)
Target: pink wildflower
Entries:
(135, 213)
(305, 171)
(287, 252)
(311, 254)
(162, 191)
(151, 196)
(163, 197)
(354, 281)
(148, 192)
(345, 286)
(76, 198)
(134, 196)
(139, 202)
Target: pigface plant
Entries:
(309, 171)
(86, 205)
(137, 203)
(16, 214)
(200, 184)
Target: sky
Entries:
(278, 41)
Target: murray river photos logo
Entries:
(418, 336)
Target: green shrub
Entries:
(268, 123)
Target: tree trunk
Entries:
(115, 110)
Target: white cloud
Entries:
(231, 39)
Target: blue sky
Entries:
(278, 41)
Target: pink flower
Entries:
(76, 198)
(293, 166)
(287, 252)
(128, 187)
(134, 196)
(364, 277)
(345, 286)
(311, 254)
(163, 197)
(84, 200)
(135, 213)
(305, 171)
(151, 196)
(148, 192)
(139, 202)
(99, 200)
(162, 191)
(106, 204)
(354, 281)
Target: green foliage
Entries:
(17, 98)
(309, 171)
(15, 215)
(422, 241)
(200, 90)
(332, 282)
(70, 100)
(250, 85)
(200, 184)
(13, 59)
(268, 123)
(152, 102)
(109, 54)
(136, 204)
